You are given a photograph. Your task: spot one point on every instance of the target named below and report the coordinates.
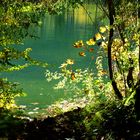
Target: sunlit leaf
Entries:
(78, 44)
(102, 29)
(70, 61)
(113, 57)
(90, 42)
(103, 72)
(82, 53)
(36, 108)
(63, 65)
(35, 103)
(86, 91)
(98, 36)
(73, 76)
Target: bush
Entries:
(111, 120)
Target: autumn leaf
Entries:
(73, 76)
(102, 29)
(91, 50)
(90, 42)
(78, 44)
(98, 36)
(70, 61)
(82, 54)
(103, 72)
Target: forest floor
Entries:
(116, 122)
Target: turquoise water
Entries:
(54, 45)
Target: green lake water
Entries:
(54, 45)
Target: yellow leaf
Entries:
(98, 36)
(70, 61)
(63, 65)
(82, 54)
(73, 76)
(103, 72)
(90, 42)
(78, 44)
(102, 29)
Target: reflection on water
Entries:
(57, 34)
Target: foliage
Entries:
(84, 82)
(119, 42)
(124, 61)
(58, 6)
(10, 124)
(17, 20)
(111, 120)
(98, 120)
(8, 91)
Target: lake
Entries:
(54, 46)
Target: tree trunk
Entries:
(111, 11)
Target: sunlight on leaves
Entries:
(70, 61)
(78, 44)
(73, 76)
(82, 53)
(63, 65)
(98, 36)
(102, 29)
(90, 42)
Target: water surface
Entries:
(54, 45)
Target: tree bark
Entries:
(111, 11)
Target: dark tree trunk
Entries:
(111, 10)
